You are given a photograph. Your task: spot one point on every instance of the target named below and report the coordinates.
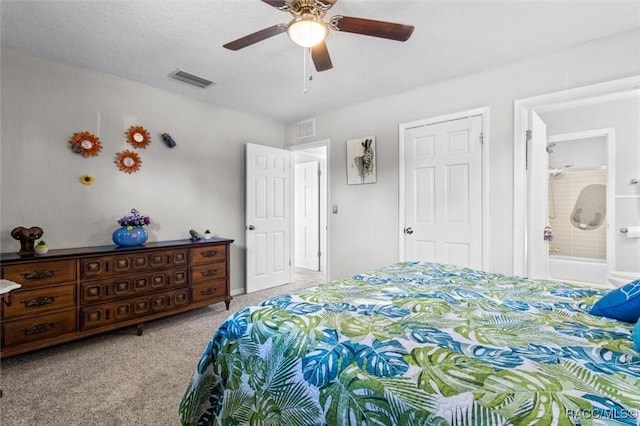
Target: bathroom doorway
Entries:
(579, 192)
(609, 105)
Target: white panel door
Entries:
(537, 199)
(307, 215)
(268, 219)
(443, 192)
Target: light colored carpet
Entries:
(118, 378)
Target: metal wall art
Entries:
(138, 137)
(85, 144)
(128, 161)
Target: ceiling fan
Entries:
(309, 29)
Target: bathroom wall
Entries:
(587, 152)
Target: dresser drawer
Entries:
(208, 254)
(38, 274)
(209, 290)
(38, 328)
(99, 291)
(212, 271)
(118, 311)
(36, 302)
(108, 266)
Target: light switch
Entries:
(335, 209)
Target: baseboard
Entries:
(237, 291)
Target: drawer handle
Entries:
(209, 273)
(39, 328)
(39, 274)
(209, 291)
(208, 253)
(39, 301)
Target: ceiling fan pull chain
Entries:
(304, 69)
(306, 57)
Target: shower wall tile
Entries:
(563, 194)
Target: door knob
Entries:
(408, 231)
(251, 227)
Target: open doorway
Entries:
(581, 182)
(607, 112)
(271, 216)
(310, 201)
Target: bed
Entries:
(419, 344)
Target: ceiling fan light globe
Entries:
(307, 31)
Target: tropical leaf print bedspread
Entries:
(419, 344)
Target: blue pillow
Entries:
(636, 336)
(622, 303)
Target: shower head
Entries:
(549, 146)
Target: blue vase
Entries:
(125, 237)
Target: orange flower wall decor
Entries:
(138, 137)
(85, 144)
(128, 161)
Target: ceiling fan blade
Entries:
(369, 27)
(276, 3)
(284, 6)
(253, 38)
(321, 58)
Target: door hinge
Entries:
(527, 139)
(319, 254)
(481, 138)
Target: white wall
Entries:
(199, 184)
(592, 151)
(364, 234)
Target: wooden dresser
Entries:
(69, 294)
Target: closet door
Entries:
(443, 192)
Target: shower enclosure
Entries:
(577, 217)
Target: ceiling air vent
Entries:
(191, 79)
(306, 128)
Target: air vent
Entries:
(306, 128)
(191, 79)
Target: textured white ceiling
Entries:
(147, 40)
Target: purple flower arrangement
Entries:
(134, 219)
